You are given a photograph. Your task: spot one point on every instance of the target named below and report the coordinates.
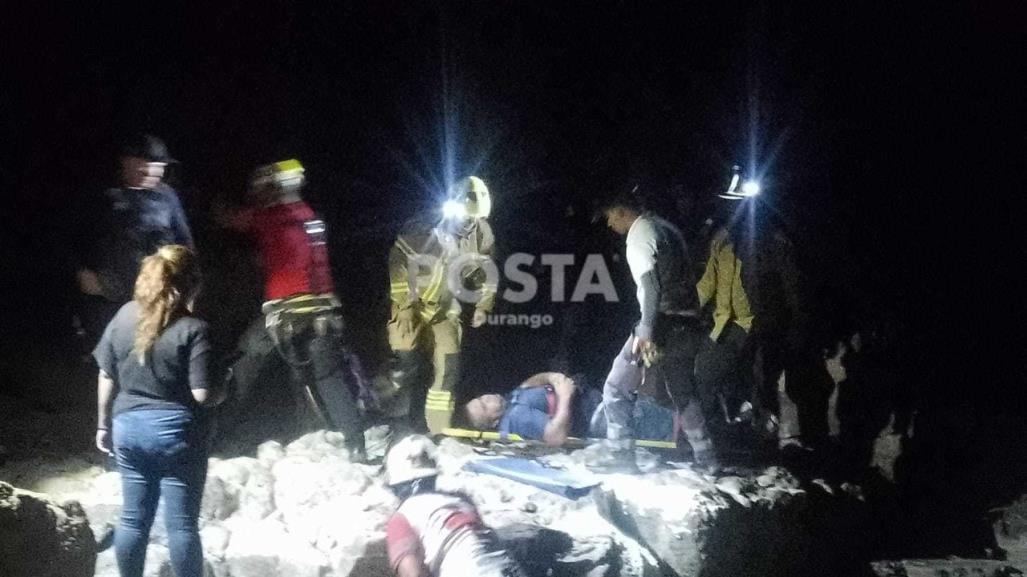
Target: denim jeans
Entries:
(160, 452)
(672, 375)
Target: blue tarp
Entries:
(530, 472)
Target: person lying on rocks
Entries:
(548, 407)
(434, 533)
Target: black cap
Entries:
(146, 146)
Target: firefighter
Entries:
(434, 268)
(302, 323)
(434, 533)
(752, 282)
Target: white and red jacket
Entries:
(446, 534)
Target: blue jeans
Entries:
(651, 421)
(160, 452)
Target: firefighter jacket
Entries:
(428, 263)
(722, 283)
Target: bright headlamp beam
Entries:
(453, 209)
(750, 188)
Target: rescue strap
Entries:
(571, 441)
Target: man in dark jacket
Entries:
(138, 216)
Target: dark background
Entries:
(889, 137)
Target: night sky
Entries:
(874, 125)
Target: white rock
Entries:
(376, 441)
(257, 499)
(220, 499)
(266, 549)
(319, 445)
(234, 471)
(215, 540)
(270, 452)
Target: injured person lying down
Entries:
(551, 407)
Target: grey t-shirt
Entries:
(180, 360)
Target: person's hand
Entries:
(639, 345)
(103, 441)
(89, 282)
(479, 318)
(564, 386)
(405, 321)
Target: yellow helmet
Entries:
(468, 198)
(284, 174)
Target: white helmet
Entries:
(739, 190)
(468, 198)
(411, 458)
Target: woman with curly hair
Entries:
(155, 380)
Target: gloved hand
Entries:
(405, 319)
(479, 318)
(650, 353)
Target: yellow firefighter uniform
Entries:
(722, 281)
(427, 264)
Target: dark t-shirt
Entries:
(180, 360)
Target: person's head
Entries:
(468, 201)
(485, 411)
(410, 466)
(619, 212)
(165, 289)
(277, 183)
(143, 159)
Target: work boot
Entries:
(357, 454)
(613, 456)
(706, 462)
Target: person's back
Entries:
(154, 360)
(294, 260)
(177, 362)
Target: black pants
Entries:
(312, 356)
(725, 368)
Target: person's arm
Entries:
(406, 556)
(201, 379)
(558, 428)
(400, 282)
(641, 255)
(542, 379)
(488, 290)
(106, 386)
(106, 390)
(179, 224)
(707, 285)
(233, 218)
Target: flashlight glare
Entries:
(751, 188)
(453, 209)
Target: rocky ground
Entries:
(303, 509)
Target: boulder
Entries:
(267, 549)
(39, 538)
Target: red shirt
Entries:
(291, 263)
